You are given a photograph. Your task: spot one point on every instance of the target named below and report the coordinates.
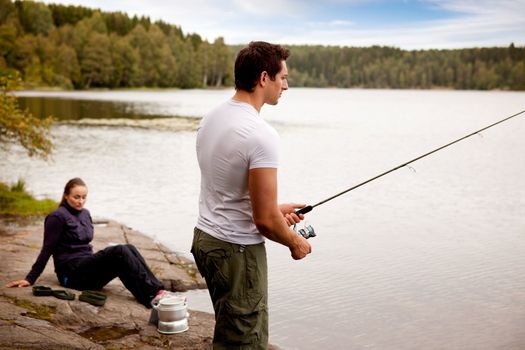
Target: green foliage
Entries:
(387, 67)
(35, 17)
(78, 47)
(19, 186)
(7, 10)
(8, 36)
(15, 201)
(20, 127)
(96, 65)
(63, 15)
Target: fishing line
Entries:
(309, 208)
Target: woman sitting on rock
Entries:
(68, 232)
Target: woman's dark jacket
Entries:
(67, 236)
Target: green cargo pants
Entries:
(237, 279)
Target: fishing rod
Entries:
(309, 208)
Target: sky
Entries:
(406, 24)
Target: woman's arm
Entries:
(19, 283)
(53, 229)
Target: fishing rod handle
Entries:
(304, 210)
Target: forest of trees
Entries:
(387, 67)
(74, 47)
(77, 47)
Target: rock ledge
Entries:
(30, 322)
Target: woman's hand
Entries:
(288, 211)
(20, 283)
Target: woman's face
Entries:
(77, 197)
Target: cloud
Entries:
(467, 23)
(471, 24)
(266, 8)
(480, 7)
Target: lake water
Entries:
(430, 256)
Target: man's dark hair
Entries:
(257, 57)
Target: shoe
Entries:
(63, 294)
(92, 297)
(42, 291)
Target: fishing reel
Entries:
(307, 231)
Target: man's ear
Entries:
(263, 78)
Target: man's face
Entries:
(274, 88)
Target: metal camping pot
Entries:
(172, 309)
(173, 327)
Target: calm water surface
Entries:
(429, 257)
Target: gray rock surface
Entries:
(45, 322)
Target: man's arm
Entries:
(262, 185)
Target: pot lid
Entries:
(173, 301)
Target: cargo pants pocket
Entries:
(242, 323)
(212, 257)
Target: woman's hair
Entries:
(257, 57)
(69, 186)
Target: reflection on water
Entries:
(75, 109)
(429, 258)
(117, 103)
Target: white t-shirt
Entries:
(232, 139)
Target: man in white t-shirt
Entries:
(238, 154)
